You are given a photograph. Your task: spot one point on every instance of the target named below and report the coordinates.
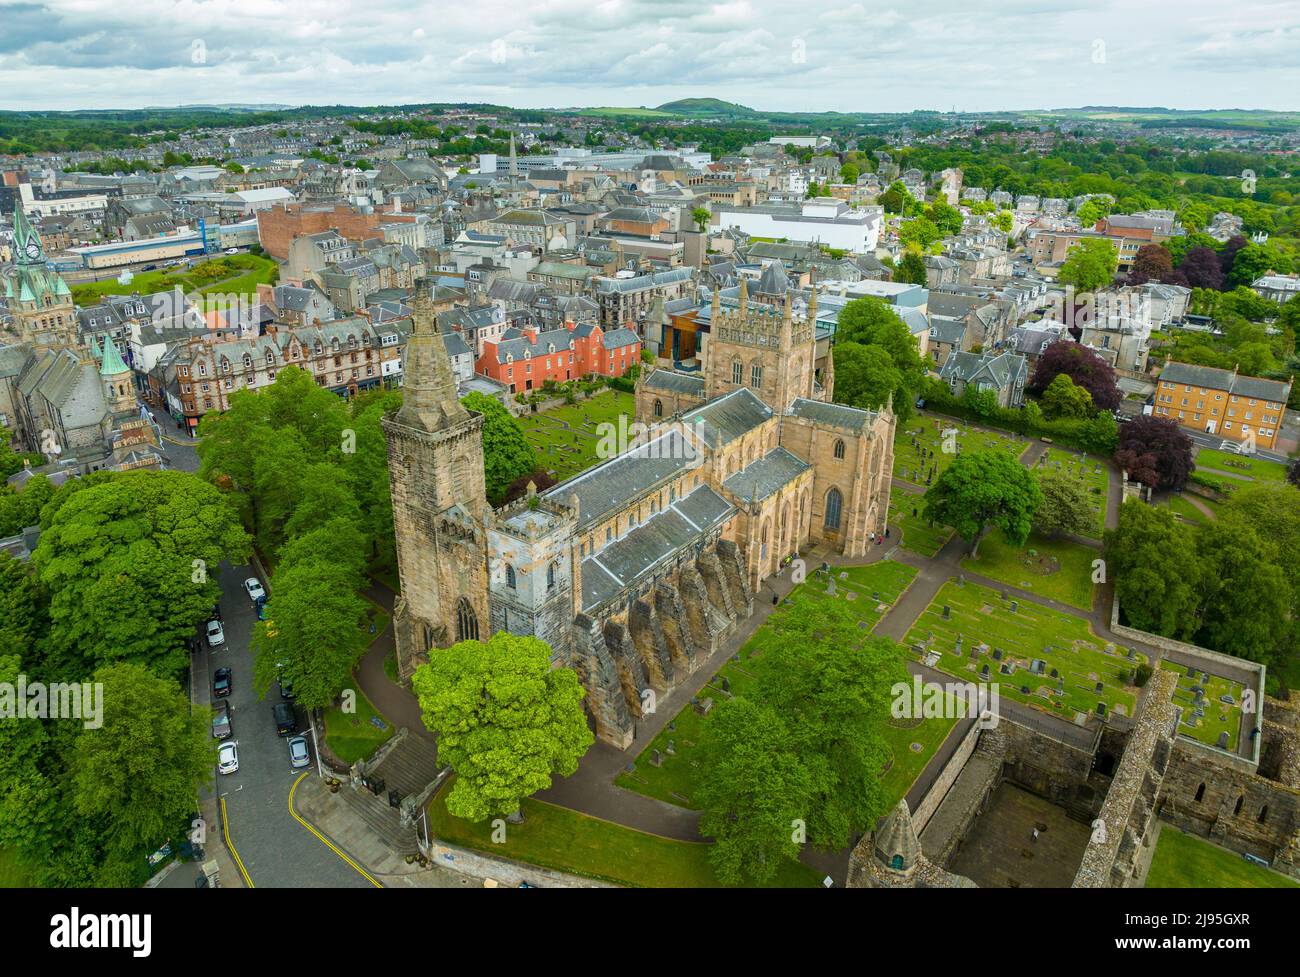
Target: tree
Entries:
(1246, 601)
(1084, 368)
(865, 376)
(1066, 508)
(945, 217)
(506, 452)
(23, 613)
(1152, 263)
(701, 216)
(1063, 399)
(130, 561)
(1092, 210)
(1255, 260)
(1156, 570)
(1201, 268)
(506, 721)
(1155, 451)
(919, 234)
(140, 773)
(894, 199)
(753, 787)
(982, 489)
(848, 173)
(1089, 265)
(911, 268)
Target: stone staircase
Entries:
(409, 765)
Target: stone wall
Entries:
(951, 770)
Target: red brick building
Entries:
(525, 359)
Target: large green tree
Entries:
(982, 489)
(1066, 507)
(865, 376)
(1246, 600)
(506, 720)
(1063, 399)
(1089, 265)
(1157, 572)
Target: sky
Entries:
(816, 55)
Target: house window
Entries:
(839, 448)
(834, 501)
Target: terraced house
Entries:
(1241, 408)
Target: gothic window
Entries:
(550, 576)
(659, 408)
(737, 375)
(510, 576)
(1237, 808)
(833, 503)
(428, 637)
(762, 551)
(755, 375)
(1263, 814)
(839, 448)
(466, 622)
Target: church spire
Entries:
(429, 399)
(28, 249)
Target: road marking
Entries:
(239, 862)
(325, 841)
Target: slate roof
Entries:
(616, 338)
(768, 474)
(726, 418)
(945, 329)
(1234, 383)
(834, 415)
(673, 382)
(630, 558)
(1003, 369)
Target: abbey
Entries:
(636, 570)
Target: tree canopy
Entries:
(982, 489)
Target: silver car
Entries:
(253, 587)
(227, 757)
(299, 754)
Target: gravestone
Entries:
(1223, 740)
(1014, 605)
(671, 749)
(1099, 688)
(984, 672)
(947, 611)
(656, 760)
(704, 706)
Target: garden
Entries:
(1039, 656)
(238, 274)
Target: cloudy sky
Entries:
(771, 54)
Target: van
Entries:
(286, 720)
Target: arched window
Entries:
(1263, 814)
(428, 638)
(833, 503)
(737, 376)
(1200, 793)
(756, 374)
(839, 448)
(466, 622)
(659, 408)
(511, 581)
(1237, 809)
(550, 577)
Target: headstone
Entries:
(704, 706)
(1223, 740)
(946, 612)
(656, 759)
(671, 749)
(984, 672)
(726, 684)
(997, 654)
(1014, 605)
(1099, 688)
(1101, 708)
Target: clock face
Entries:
(33, 249)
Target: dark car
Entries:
(221, 720)
(221, 681)
(286, 720)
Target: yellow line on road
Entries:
(325, 841)
(239, 862)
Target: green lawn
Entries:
(12, 875)
(1219, 716)
(1090, 471)
(1058, 569)
(1079, 658)
(1180, 506)
(352, 736)
(919, 536)
(910, 466)
(1235, 464)
(1183, 861)
(675, 780)
(557, 838)
(239, 273)
(568, 452)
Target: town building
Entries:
(1223, 402)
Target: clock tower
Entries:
(39, 299)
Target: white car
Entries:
(253, 587)
(216, 635)
(299, 754)
(227, 757)
(232, 251)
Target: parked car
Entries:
(216, 611)
(232, 251)
(286, 720)
(221, 720)
(216, 635)
(228, 757)
(299, 754)
(221, 682)
(253, 587)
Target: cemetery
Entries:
(1058, 569)
(1211, 706)
(923, 448)
(565, 438)
(666, 769)
(1039, 656)
(907, 514)
(1092, 472)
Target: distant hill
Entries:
(705, 106)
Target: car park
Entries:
(216, 634)
(227, 757)
(253, 587)
(221, 682)
(221, 720)
(299, 754)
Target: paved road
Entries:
(1132, 408)
(275, 849)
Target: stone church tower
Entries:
(39, 299)
(435, 462)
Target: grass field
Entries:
(1235, 464)
(1183, 861)
(1095, 478)
(566, 452)
(1180, 506)
(236, 273)
(1220, 717)
(919, 536)
(1072, 658)
(674, 781)
(557, 838)
(911, 466)
(643, 113)
(1059, 569)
